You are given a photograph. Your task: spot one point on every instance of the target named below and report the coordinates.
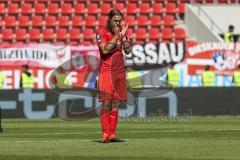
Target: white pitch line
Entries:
(140, 131)
(73, 140)
(87, 140)
(67, 140)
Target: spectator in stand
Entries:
(2, 79)
(228, 37)
(208, 77)
(236, 77)
(26, 79)
(173, 76)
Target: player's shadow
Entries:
(100, 141)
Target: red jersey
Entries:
(114, 61)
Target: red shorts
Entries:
(112, 86)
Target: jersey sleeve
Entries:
(101, 37)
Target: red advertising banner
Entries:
(37, 55)
(43, 59)
(223, 58)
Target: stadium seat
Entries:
(88, 34)
(144, 8)
(154, 34)
(167, 34)
(68, 1)
(79, 9)
(203, 1)
(13, 8)
(56, 1)
(43, 1)
(105, 8)
(10, 21)
(21, 34)
(106, 1)
(130, 33)
(157, 8)
(77, 21)
(61, 34)
(48, 34)
(131, 21)
(209, 1)
(169, 21)
(102, 21)
(63, 21)
(2, 9)
(180, 33)
(181, 8)
(16, 1)
(133, 1)
(92, 8)
(7, 35)
(173, 1)
(233, 1)
(156, 21)
(120, 1)
(171, 8)
(94, 1)
(62, 15)
(131, 8)
(141, 34)
(185, 1)
(23, 21)
(90, 21)
(66, 9)
(1, 23)
(34, 35)
(50, 21)
(37, 21)
(142, 21)
(52, 9)
(74, 34)
(120, 7)
(30, 1)
(26, 9)
(39, 9)
(223, 1)
(79, 1)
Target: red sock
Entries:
(113, 123)
(104, 116)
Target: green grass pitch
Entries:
(202, 138)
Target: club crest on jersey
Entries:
(98, 37)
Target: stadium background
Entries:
(184, 123)
(46, 34)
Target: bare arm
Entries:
(107, 48)
(110, 46)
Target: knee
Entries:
(115, 105)
(107, 104)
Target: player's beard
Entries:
(114, 27)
